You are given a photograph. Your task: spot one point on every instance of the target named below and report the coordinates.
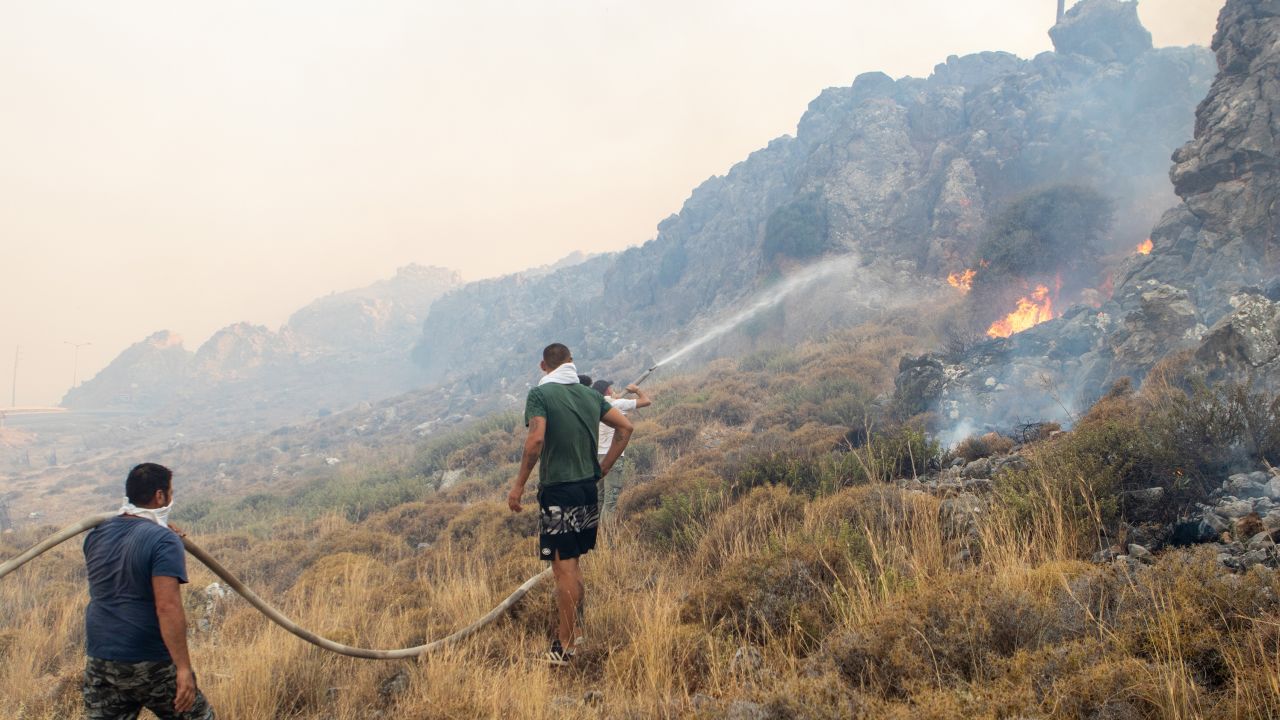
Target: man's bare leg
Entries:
(569, 592)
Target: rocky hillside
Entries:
(1204, 300)
(907, 173)
(339, 350)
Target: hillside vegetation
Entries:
(787, 548)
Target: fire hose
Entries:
(275, 615)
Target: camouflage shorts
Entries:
(119, 690)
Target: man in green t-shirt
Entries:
(562, 416)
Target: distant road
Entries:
(54, 418)
(11, 411)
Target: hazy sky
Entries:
(179, 165)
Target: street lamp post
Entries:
(75, 361)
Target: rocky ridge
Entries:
(904, 172)
(338, 350)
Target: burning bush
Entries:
(1039, 244)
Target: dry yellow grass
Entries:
(711, 599)
(950, 641)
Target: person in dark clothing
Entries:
(562, 415)
(136, 631)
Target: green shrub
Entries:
(748, 523)
(953, 631)
(438, 453)
(804, 473)
(491, 525)
(643, 456)
(1047, 231)
(1182, 440)
(775, 592)
(831, 398)
(797, 230)
(416, 522)
(977, 447)
(774, 360)
(671, 511)
(897, 451)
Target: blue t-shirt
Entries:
(122, 555)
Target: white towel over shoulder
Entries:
(566, 374)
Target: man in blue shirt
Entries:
(136, 632)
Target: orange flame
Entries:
(962, 281)
(1031, 312)
(1145, 247)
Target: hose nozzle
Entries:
(645, 376)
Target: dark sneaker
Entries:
(557, 655)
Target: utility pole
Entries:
(1062, 9)
(13, 399)
(75, 361)
(5, 522)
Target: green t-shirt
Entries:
(573, 414)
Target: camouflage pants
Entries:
(119, 690)
(610, 488)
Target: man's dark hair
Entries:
(144, 480)
(602, 386)
(555, 355)
(584, 380)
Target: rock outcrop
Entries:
(384, 317)
(1208, 286)
(1223, 237)
(1102, 30)
(146, 374)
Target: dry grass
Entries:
(836, 598)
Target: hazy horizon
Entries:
(187, 167)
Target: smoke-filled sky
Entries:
(183, 166)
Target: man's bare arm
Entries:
(532, 451)
(621, 436)
(173, 628)
(642, 400)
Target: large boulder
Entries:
(1245, 343)
(1164, 320)
(1229, 175)
(1102, 30)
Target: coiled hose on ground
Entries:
(275, 615)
